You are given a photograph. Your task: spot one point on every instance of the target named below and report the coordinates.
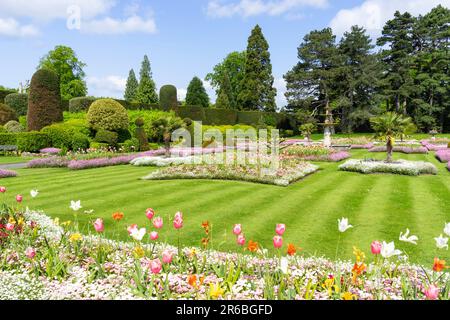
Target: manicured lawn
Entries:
(11, 159)
(379, 206)
(417, 136)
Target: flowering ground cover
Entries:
(43, 258)
(435, 145)
(7, 173)
(443, 155)
(411, 168)
(313, 153)
(402, 149)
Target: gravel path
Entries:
(14, 165)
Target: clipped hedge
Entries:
(168, 97)
(32, 141)
(8, 139)
(59, 136)
(18, 102)
(7, 114)
(220, 116)
(80, 104)
(79, 141)
(195, 113)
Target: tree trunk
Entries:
(389, 149)
(167, 144)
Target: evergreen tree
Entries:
(311, 84)
(358, 98)
(132, 87)
(256, 88)
(398, 35)
(225, 97)
(146, 92)
(196, 94)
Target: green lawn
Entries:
(417, 136)
(12, 159)
(379, 206)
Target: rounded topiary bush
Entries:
(107, 114)
(80, 104)
(59, 136)
(44, 102)
(32, 141)
(168, 97)
(80, 141)
(105, 136)
(18, 102)
(7, 114)
(14, 127)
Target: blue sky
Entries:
(182, 38)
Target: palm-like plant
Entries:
(164, 126)
(307, 130)
(388, 126)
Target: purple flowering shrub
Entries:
(443, 155)
(50, 151)
(402, 149)
(48, 162)
(7, 173)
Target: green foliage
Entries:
(132, 145)
(8, 139)
(308, 129)
(196, 94)
(80, 141)
(6, 114)
(4, 92)
(59, 136)
(80, 104)
(107, 114)
(226, 78)
(220, 116)
(256, 87)
(105, 136)
(65, 63)
(131, 87)
(149, 118)
(18, 102)
(164, 128)
(146, 92)
(44, 102)
(168, 97)
(32, 141)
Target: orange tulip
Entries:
(117, 216)
(252, 246)
(291, 249)
(438, 265)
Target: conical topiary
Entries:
(168, 97)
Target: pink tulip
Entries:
(277, 242)
(158, 222)
(9, 226)
(179, 215)
(2, 189)
(375, 247)
(149, 213)
(155, 266)
(99, 225)
(167, 257)
(154, 235)
(19, 198)
(237, 229)
(432, 292)
(240, 240)
(178, 223)
(131, 228)
(30, 252)
(280, 229)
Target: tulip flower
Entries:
(138, 234)
(280, 229)
(291, 249)
(154, 235)
(167, 257)
(158, 222)
(277, 242)
(240, 240)
(439, 265)
(19, 198)
(432, 292)
(343, 224)
(2, 189)
(75, 205)
(131, 228)
(155, 266)
(441, 242)
(99, 225)
(388, 250)
(9, 226)
(375, 247)
(179, 215)
(30, 252)
(178, 221)
(34, 193)
(237, 229)
(447, 229)
(149, 213)
(405, 238)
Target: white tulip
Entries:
(388, 250)
(138, 234)
(343, 224)
(75, 205)
(34, 193)
(447, 229)
(441, 242)
(405, 238)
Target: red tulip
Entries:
(280, 229)
(158, 222)
(240, 240)
(155, 266)
(277, 242)
(149, 213)
(154, 235)
(2, 189)
(237, 229)
(19, 198)
(375, 247)
(99, 225)
(167, 257)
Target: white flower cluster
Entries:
(411, 168)
(20, 286)
(162, 162)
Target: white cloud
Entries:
(247, 8)
(372, 14)
(12, 28)
(116, 26)
(109, 86)
(53, 9)
(181, 94)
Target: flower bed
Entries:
(289, 172)
(435, 145)
(42, 259)
(162, 162)
(50, 151)
(48, 162)
(443, 155)
(363, 146)
(7, 173)
(411, 168)
(313, 153)
(401, 149)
